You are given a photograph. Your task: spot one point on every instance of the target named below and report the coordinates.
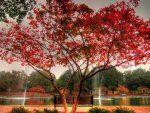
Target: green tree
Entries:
(12, 81)
(35, 79)
(74, 82)
(145, 79)
(111, 78)
(137, 78)
(16, 9)
(63, 80)
(3, 81)
(88, 85)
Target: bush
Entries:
(98, 110)
(123, 110)
(50, 111)
(38, 111)
(19, 110)
(47, 111)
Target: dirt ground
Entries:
(137, 109)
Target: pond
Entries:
(105, 101)
(124, 101)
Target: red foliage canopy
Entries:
(62, 32)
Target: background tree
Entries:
(16, 9)
(35, 79)
(74, 82)
(112, 78)
(3, 84)
(74, 36)
(63, 80)
(137, 78)
(12, 81)
(88, 86)
(145, 79)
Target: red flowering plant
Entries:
(61, 32)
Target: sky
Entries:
(143, 10)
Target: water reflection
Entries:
(106, 101)
(28, 100)
(124, 101)
(141, 100)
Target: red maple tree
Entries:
(37, 89)
(122, 89)
(64, 33)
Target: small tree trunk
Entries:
(63, 97)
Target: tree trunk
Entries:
(63, 97)
(74, 107)
(76, 99)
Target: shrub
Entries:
(19, 110)
(98, 110)
(38, 111)
(47, 111)
(50, 111)
(123, 110)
